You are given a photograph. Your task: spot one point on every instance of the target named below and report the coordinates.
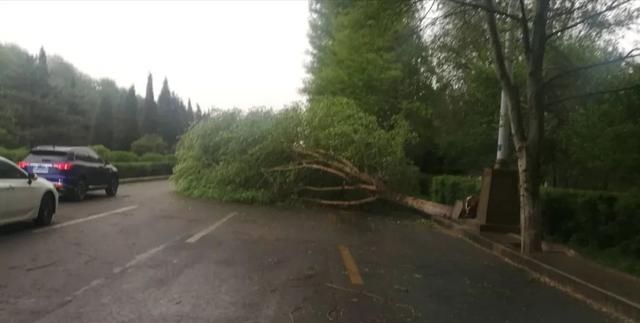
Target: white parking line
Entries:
(89, 218)
(210, 229)
(136, 260)
(94, 283)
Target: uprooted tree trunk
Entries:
(355, 180)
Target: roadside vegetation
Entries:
(129, 164)
(45, 100)
(413, 103)
(402, 105)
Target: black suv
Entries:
(72, 170)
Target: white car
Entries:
(24, 196)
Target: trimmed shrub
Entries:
(425, 181)
(143, 169)
(102, 151)
(447, 189)
(593, 219)
(149, 144)
(603, 225)
(153, 157)
(15, 155)
(118, 156)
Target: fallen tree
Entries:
(328, 153)
(354, 179)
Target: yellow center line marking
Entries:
(350, 265)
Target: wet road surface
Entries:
(150, 255)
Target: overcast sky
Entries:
(218, 53)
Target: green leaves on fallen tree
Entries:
(339, 127)
(223, 157)
(267, 156)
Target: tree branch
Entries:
(612, 6)
(596, 93)
(343, 203)
(526, 40)
(505, 77)
(338, 163)
(488, 9)
(318, 155)
(340, 188)
(566, 73)
(570, 11)
(447, 14)
(312, 166)
(341, 159)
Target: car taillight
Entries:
(63, 166)
(23, 164)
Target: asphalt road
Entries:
(150, 255)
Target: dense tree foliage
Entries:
(218, 157)
(372, 52)
(466, 125)
(377, 66)
(128, 119)
(149, 109)
(150, 143)
(45, 100)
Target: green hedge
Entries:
(15, 155)
(447, 189)
(142, 169)
(603, 225)
(118, 156)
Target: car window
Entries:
(37, 156)
(94, 156)
(9, 171)
(83, 157)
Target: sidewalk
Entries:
(602, 287)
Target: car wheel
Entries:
(45, 213)
(81, 190)
(112, 189)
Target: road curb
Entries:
(143, 179)
(598, 297)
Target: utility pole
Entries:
(504, 125)
(498, 202)
(504, 133)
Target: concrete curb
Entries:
(598, 297)
(144, 179)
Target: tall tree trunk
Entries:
(428, 207)
(530, 210)
(529, 160)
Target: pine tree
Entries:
(190, 113)
(165, 113)
(103, 123)
(198, 116)
(181, 116)
(42, 72)
(149, 110)
(129, 121)
(41, 111)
